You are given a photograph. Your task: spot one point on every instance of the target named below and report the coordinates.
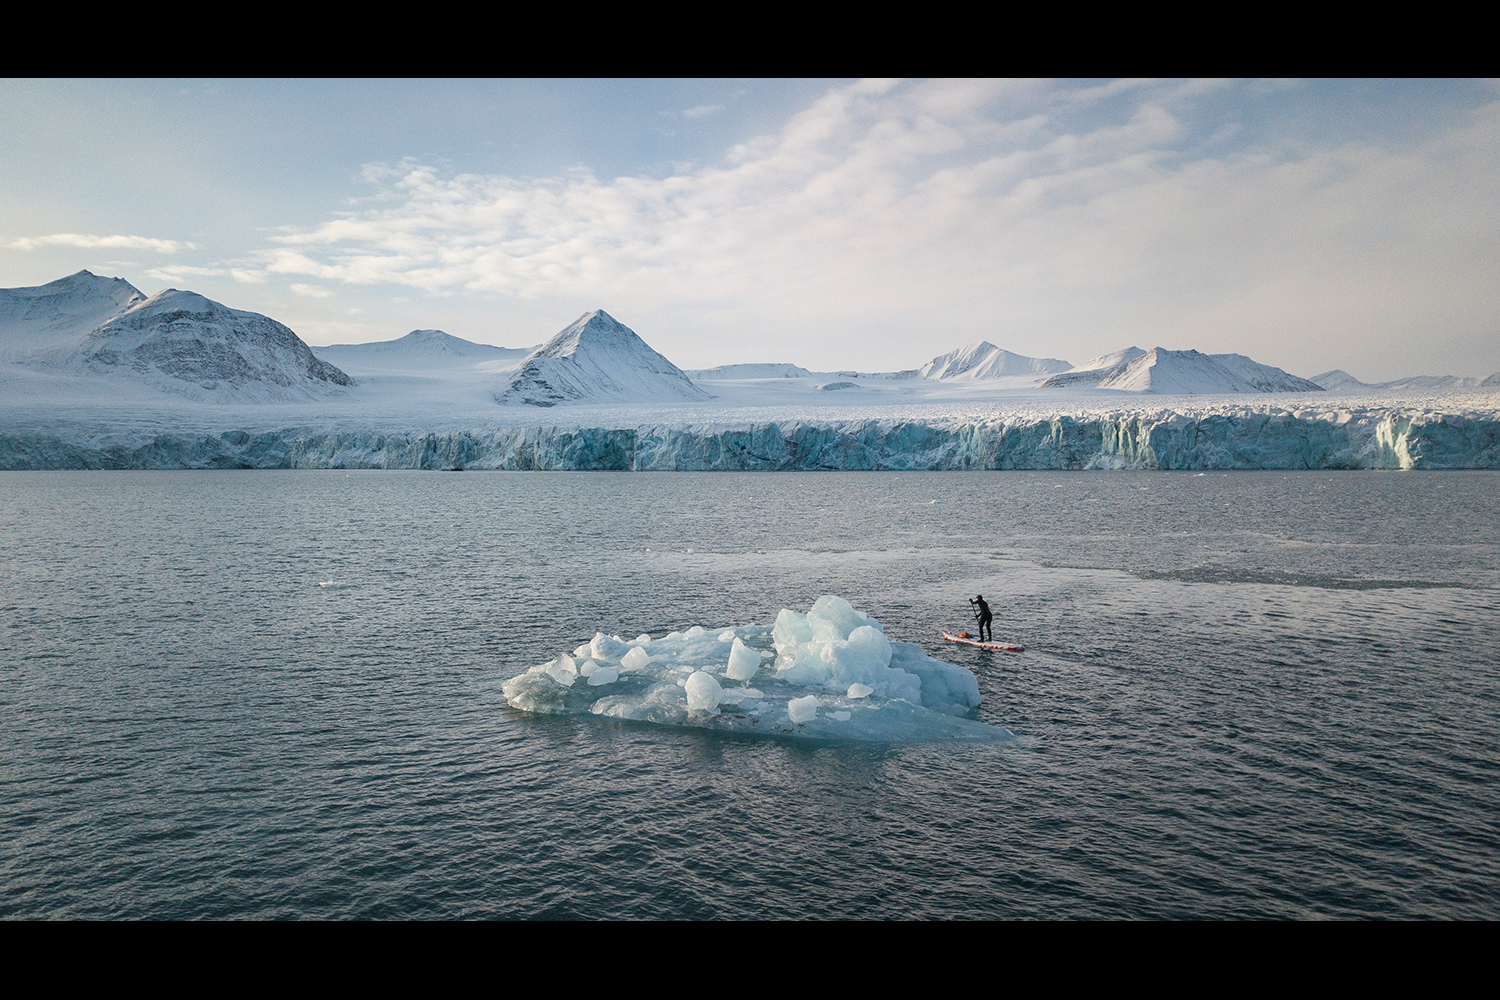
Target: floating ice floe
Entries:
(829, 673)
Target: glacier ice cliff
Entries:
(1232, 439)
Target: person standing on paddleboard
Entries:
(982, 613)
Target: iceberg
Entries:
(830, 673)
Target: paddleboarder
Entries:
(982, 614)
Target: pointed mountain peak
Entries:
(51, 316)
(593, 331)
(595, 357)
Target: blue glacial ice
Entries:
(1208, 438)
(829, 674)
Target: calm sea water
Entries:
(277, 694)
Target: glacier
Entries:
(95, 375)
(1166, 438)
(828, 673)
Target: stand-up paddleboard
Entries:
(982, 645)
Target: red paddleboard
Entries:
(982, 645)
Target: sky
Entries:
(833, 224)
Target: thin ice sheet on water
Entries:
(829, 673)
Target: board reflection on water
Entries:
(281, 694)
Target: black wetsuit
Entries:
(983, 614)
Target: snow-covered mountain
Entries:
(1089, 374)
(1432, 382)
(596, 358)
(985, 360)
(1179, 372)
(729, 372)
(1264, 378)
(44, 318)
(1111, 360)
(1341, 381)
(184, 343)
(418, 350)
(90, 397)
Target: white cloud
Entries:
(181, 272)
(973, 206)
(88, 241)
(702, 110)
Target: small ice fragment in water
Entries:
(704, 693)
(803, 709)
(635, 659)
(860, 690)
(743, 662)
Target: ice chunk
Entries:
(607, 647)
(563, 670)
(834, 646)
(696, 632)
(791, 631)
(703, 693)
(642, 640)
(744, 662)
(822, 663)
(727, 635)
(840, 614)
